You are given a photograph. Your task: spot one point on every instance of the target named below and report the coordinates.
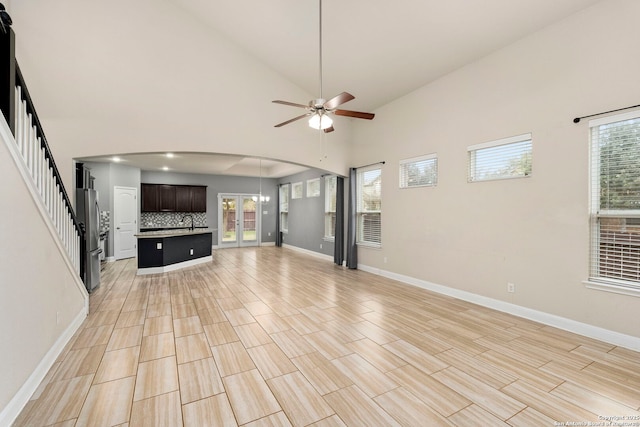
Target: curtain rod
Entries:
(577, 119)
(376, 163)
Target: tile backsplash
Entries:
(104, 220)
(171, 219)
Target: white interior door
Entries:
(125, 220)
(238, 220)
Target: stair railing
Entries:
(18, 108)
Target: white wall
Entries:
(177, 86)
(39, 297)
(534, 232)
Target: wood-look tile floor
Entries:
(272, 337)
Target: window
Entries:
(369, 186)
(419, 171)
(296, 190)
(284, 208)
(330, 185)
(313, 187)
(501, 159)
(615, 201)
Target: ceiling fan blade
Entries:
(293, 120)
(329, 129)
(338, 100)
(356, 114)
(292, 104)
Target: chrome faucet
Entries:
(182, 220)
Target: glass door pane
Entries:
(229, 220)
(249, 224)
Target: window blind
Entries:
(313, 187)
(369, 206)
(502, 159)
(284, 207)
(330, 189)
(615, 200)
(419, 171)
(296, 190)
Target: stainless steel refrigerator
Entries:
(88, 213)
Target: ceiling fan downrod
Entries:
(319, 110)
(320, 44)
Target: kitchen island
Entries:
(167, 250)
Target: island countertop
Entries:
(172, 233)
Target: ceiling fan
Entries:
(319, 110)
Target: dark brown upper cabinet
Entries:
(149, 198)
(173, 198)
(166, 198)
(199, 199)
(183, 199)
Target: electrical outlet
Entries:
(57, 317)
(511, 287)
(269, 234)
(385, 260)
(190, 251)
(320, 245)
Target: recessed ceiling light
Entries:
(116, 158)
(169, 155)
(165, 168)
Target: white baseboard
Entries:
(21, 398)
(595, 332)
(261, 244)
(308, 252)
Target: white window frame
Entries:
(597, 279)
(284, 208)
(297, 190)
(330, 203)
(313, 187)
(500, 150)
(418, 162)
(362, 211)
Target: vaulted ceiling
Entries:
(378, 50)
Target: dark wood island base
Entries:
(163, 251)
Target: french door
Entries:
(238, 220)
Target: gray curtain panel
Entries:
(338, 250)
(278, 233)
(352, 248)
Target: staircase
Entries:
(42, 297)
(36, 157)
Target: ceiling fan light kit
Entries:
(320, 121)
(318, 110)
